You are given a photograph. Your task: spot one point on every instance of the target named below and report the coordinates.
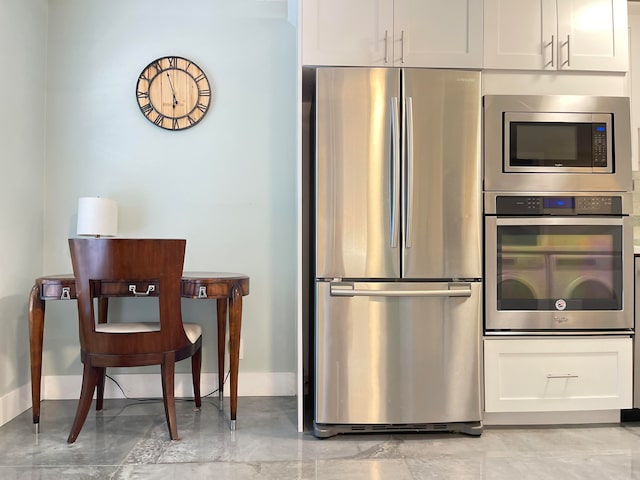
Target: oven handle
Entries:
(577, 220)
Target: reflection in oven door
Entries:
(583, 278)
(524, 277)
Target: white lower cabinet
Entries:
(557, 374)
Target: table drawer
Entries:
(128, 289)
(204, 289)
(58, 291)
(558, 374)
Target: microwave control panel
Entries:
(599, 144)
(536, 205)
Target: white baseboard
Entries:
(266, 384)
(67, 387)
(14, 403)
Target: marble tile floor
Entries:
(129, 440)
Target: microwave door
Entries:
(558, 142)
(357, 173)
(442, 207)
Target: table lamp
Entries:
(97, 217)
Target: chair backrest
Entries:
(109, 267)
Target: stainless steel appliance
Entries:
(558, 262)
(398, 257)
(557, 143)
(636, 342)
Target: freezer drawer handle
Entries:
(562, 375)
(348, 291)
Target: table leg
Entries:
(36, 336)
(103, 307)
(235, 323)
(221, 305)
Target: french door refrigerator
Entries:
(397, 250)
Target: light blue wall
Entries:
(227, 185)
(23, 31)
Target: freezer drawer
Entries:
(397, 352)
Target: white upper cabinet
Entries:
(438, 33)
(593, 35)
(556, 35)
(426, 33)
(353, 32)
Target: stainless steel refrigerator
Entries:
(397, 250)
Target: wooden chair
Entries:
(135, 268)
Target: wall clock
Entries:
(173, 93)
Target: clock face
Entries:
(173, 93)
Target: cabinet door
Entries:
(438, 33)
(356, 32)
(593, 35)
(520, 34)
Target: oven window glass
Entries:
(547, 144)
(553, 267)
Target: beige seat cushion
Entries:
(193, 330)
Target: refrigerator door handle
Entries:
(343, 289)
(409, 173)
(395, 167)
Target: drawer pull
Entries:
(66, 293)
(561, 375)
(150, 288)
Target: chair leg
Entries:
(196, 367)
(89, 380)
(102, 372)
(168, 369)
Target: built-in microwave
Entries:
(556, 143)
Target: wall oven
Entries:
(557, 143)
(561, 262)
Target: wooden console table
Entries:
(227, 288)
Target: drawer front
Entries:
(58, 291)
(127, 289)
(204, 289)
(551, 374)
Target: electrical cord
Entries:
(158, 399)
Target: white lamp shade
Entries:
(97, 217)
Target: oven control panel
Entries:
(525, 205)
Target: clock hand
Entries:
(173, 92)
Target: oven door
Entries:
(558, 273)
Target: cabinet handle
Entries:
(561, 375)
(553, 50)
(386, 46)
(568, 44)
(402, 47)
